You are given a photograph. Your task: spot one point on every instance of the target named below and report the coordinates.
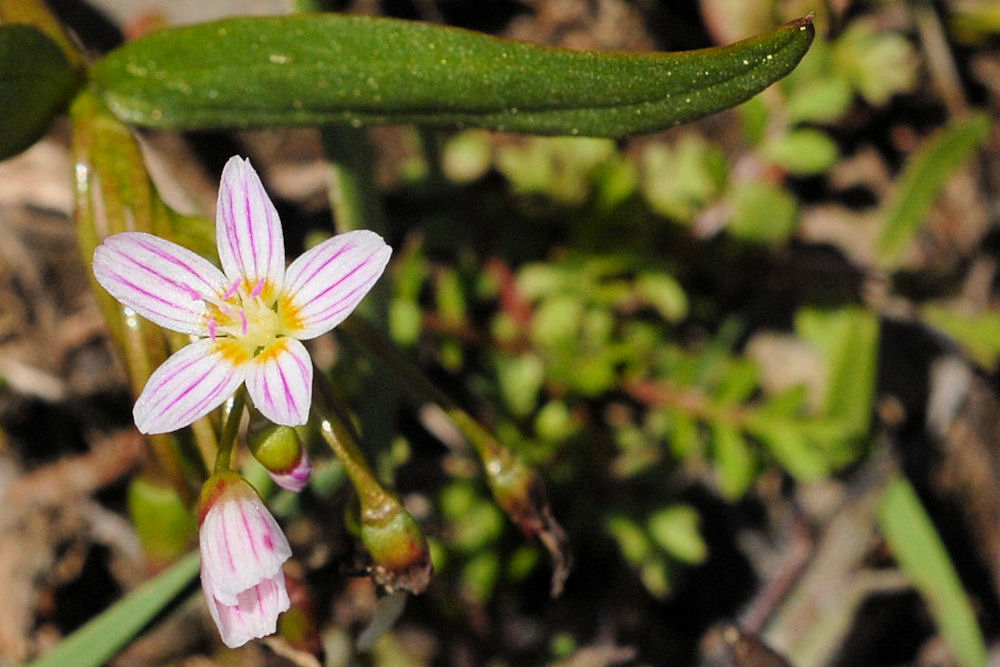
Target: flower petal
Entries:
(190, 384)
(297, 477)
(254, 616)
(248, 230)
(158, 279)
(241, 545)
(327, 282)
(279, 381)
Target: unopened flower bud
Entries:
(280, 451)
(397, 546)
(242, 552)
(520, 491)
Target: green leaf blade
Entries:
(734, 460)
(920, 552)
(978, 334)
(318, 69)
(922, 180)
(791, 448)
(36, 83)
(97, 641)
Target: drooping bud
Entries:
(400, 554)
(242, 552)
(520, 491)
(281, 452)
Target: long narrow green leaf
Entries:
(311, 69)
(114, 193)
(36, 83)
(923, 179)
(921, 554)
(97, 641)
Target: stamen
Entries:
(243, 316)
(232, 290)
(212, 326)
(257, 289)
(214, 300)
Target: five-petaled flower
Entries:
(250, 317)
(242, 551)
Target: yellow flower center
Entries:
(249, 315)
(263, 324)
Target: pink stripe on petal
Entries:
(249, 531)
(312, 263)
(327, 282)
(158, 279)
(247, 229)
(233, 539)
(242, 551)
(279, 381)
(191, 383)
(324, 307)
(253, 616)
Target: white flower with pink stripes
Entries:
(250, 317)
(242, 551)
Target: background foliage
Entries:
(754, 357)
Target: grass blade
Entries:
(920, 552)
(97, 641)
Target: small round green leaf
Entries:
(804, 151)
(675, 530)
(762, 213)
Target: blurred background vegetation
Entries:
(754, 358)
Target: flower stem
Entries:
(430, 142)
(336, 429)
(397, 546)
(113, 193)
(232, 414)
(353, 195)
(487, 446)
(517, 488)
